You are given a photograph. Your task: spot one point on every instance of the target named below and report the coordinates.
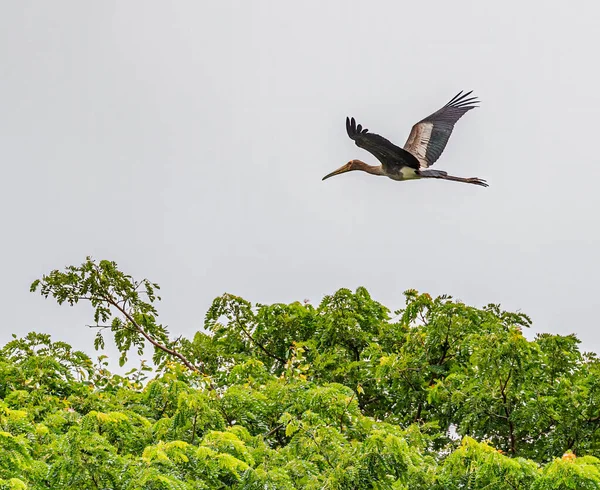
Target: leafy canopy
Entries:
(345, 395)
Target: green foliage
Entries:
(345, 395)
(121, 304)
(479, 465)
(568, 472)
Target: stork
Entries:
(424, 145)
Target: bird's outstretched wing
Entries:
(384, 150)
(429, 137)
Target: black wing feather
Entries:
(381, 148)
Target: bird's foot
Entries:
(481, 182)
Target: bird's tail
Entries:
(440, 174)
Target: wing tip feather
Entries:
(353, 129)
(463, 101)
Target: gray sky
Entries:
(187, 142)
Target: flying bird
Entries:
(424, 145)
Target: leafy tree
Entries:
(344, 395)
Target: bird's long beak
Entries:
(339, 171)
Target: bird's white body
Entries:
(406, 173)
(399, 174)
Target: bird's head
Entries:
(351, 165)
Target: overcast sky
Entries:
(186, 140)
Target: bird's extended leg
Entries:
(469, 180)
(440, 174)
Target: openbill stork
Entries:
(424, 145)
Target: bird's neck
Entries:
(370, 169)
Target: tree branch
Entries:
(273, 430)
(511, 426)
(260, 346)
(155, 343)
(312, 436)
